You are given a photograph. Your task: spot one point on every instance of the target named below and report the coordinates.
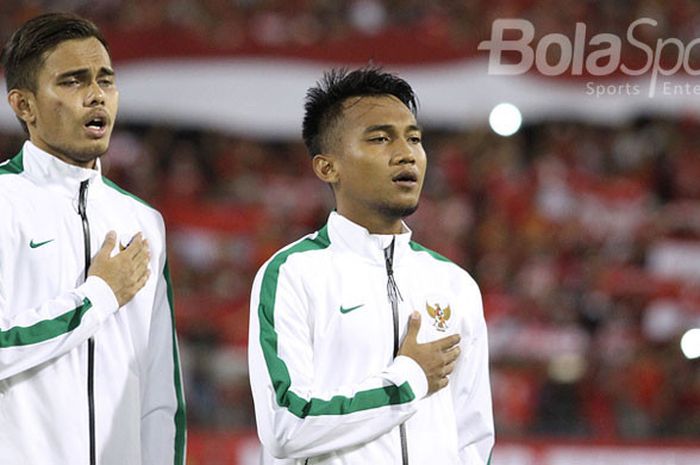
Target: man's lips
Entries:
(96, 132)
(96, 125)
(405, 178)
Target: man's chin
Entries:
(399, 211)
(93, 150)
(85, 156)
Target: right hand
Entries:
(437, 358)
(127, 272)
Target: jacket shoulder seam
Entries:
(14, 165)
(416, 247)
(108, 182)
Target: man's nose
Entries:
(403, 152)
(95, 95)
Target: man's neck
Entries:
(88, 164)
(376, 224)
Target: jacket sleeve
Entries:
(32, 336)
(470, 384)
(163, 431)
(296, 418)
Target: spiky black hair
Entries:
(324, 102)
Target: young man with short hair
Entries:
(89, 370)
(365, 347)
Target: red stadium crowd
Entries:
(461, 23)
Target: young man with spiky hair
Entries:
(89, 370)
(365, 347)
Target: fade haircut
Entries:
(324, 102)
(24, 53)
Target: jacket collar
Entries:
(352, 237)
(56, 175)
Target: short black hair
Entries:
(324, 102)
(25, 51)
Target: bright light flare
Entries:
(505, 119)
(690, 343)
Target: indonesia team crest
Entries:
(440, 315)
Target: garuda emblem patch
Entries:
(439, 315)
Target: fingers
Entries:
(437, 358)
(438, 383)
(141, 281)
(137, 245)
(441, 375)
(447, 342)
(127, 271)
(448, 369)
(138, 251)
(138, 254)
(108, 244)
(413, 327)
(449, 360)
(452, 354)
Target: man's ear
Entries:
(326, 168)
(22, 103)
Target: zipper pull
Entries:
(82, 211)
(82, 198)
(392, 289)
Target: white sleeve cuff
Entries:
(405, 369)
(100, 295)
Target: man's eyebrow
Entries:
(380, 127)
(391, 128)
(78, 73)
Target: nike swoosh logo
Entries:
(348, 310)
(34, 245)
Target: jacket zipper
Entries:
(82, 206)
(394, 295)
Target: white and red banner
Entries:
(167, 77)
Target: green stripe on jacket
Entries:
(14, 165)
(180, 415)
(44, 330)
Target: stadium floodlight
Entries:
(505, 119)
(690, 343)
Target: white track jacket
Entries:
(326, 385)
(48, 384)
